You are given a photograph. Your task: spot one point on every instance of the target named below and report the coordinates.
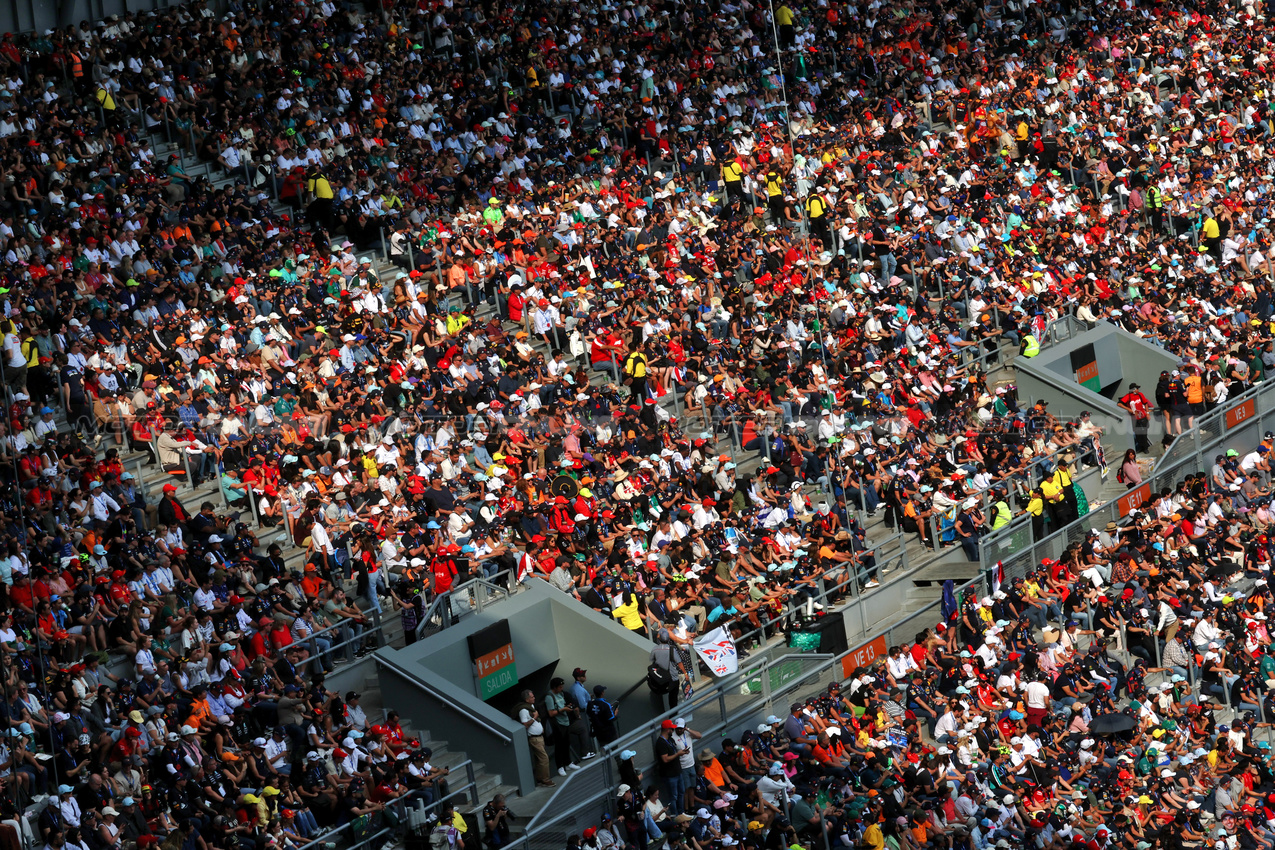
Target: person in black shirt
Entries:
(439, 497)
(668, 767)
(79, 410)
(596, 596)
(496, 817)
(286, 667)
(51, 819)
(602, 716)
(355, 803)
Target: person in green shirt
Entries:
(492, 215)
(1266, 667)
(1257, 368)
(234, 489)
(284, 406)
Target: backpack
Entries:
(658, 677)
(442, 836)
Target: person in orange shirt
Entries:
(713, 771)
(201, 716)
(919, 827)
(825, 753)
(312, 584)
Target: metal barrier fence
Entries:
(400, 814)
(1252, 411)
(761, 686)
(448, 609)
(1000, 354)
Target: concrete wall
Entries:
(432, 681)
(28, 15)
(1057, 357)
(1123, 359)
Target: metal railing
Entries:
(761, 686)
(758, 687)
(1014, 547)
(447, 609)
(471, 597)
(405, 814)
(1000, 354)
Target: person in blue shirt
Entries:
(578, 691)
(726, 610)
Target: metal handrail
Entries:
(1210, 418)
(440, 605)
(1188, 448)
(423, 683)
(597, 773)
(593, 768)
(469, 789)
(1193, 435)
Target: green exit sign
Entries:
(492, 651)
(497, 681)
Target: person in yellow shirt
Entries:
(784, 21)
(817, 213)
(627, 613)
(635, 366)
(106, 100)
(456, 321)
(733, 177)
(320, 210)
(1211, 238)
(1036, 508)
(775, 194)
(872, 837)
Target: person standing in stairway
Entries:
(578, 702)
(525, 712)
(685, 737)
(668, 767)
(559, 707)
(602, 717)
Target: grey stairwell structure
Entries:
(432, 682)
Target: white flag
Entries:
(717, 648)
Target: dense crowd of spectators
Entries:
(628, 235)
(1119, 697)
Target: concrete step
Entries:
(922, 596)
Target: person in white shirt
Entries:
(1037, 698)
(103, 506)
(529, 717)
(775, 786)
(1206, 632)
(321, 544)
(67, 805)
(899, 664)
(276, 747)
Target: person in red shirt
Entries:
(257, 646)
(444, 570)
(22, 593)
(605, 351)
(394, 735)
(127, 745)
(118, 590)
(388, 789)
(517, 303)
(280, 635)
